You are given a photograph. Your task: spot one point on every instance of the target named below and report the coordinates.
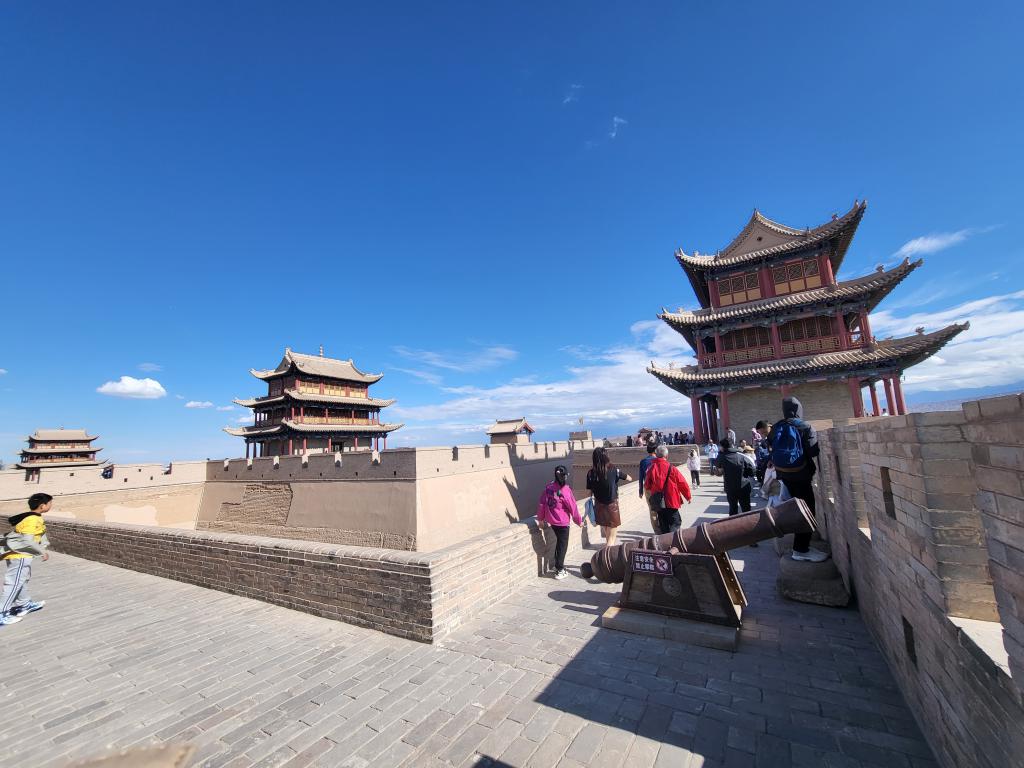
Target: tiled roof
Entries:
(801, 239)
(509, 426)
(292, 394)
(874, 286)
(319, 366)
(840, 229)
(901, 353)
(57, 464)
(288, 424)
(47, 451)
(48, 435)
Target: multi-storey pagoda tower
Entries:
(58, 448)
(774, 321)
(314, 404)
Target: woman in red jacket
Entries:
(665, 479)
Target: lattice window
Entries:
(796, 276)
(737, 289)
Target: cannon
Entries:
(688, 573)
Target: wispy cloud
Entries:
(3, 371)
(617, 123)
(938, 241)
(481, 359)
(247, 419)
(180, 397)
(140, 389)
(150, 367)
(427, 376)
(199, 404)
(990, 353)
(225, 407)
(572, 94)
(612, 388)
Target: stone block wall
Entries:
(910, 542)
(830, 399)
(995, 429)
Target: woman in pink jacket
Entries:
(556, 507)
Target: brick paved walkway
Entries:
(119, 658)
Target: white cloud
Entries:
(427, 376)
(461, 362)
(610, 389)
(617, 123)
(939, 241)
(990, 353)
(199, 404)
(180, 397)
(225, 407)
(142, 389)
(247, 419)
(573, 94)
(150, 367)
(3, 371)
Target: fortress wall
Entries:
(410, 498)
(995, 429)
(137, 493)
(896, 496)
(820, 399)
(420, 596)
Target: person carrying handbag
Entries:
(668, 488)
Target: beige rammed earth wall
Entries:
(414, 498)
(139, 494)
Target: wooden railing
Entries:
(809, 346)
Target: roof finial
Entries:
(287, 350)
(321, 350)
(919, 330)
(879, 268)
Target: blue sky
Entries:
(481, 201)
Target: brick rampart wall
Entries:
(996, 430)
(897, 500)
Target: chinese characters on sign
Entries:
(647, 561)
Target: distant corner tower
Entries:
(314, 404)
(774, 321)
(58, 449)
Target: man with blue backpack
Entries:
(794, 446)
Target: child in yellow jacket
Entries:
(25, 540)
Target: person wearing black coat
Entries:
(736, 471)
(799, 479)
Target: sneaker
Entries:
(27, 608)
(810, 556)
(562, 574)
(9, 619)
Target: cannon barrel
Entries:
(793, 516)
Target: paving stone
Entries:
(527, 682)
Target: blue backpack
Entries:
(787, 446)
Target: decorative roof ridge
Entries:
(758, 218)
(877, 279)
(821, 232)
(896, 345)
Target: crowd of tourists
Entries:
(777, 463)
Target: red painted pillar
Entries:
(875, 410)
(302, 414)
(698, 427)
(855, 396)
(725, 411)
(826, 270)
(898, 389)
(303, 445)
(764, 279)
(290, 451)
(776, 341)
(385, 442)
(844, 337)
(718, 351)
(865, 328)
(355, 442)
(889, 399)
(713, 291)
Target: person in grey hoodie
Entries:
(794, 446)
